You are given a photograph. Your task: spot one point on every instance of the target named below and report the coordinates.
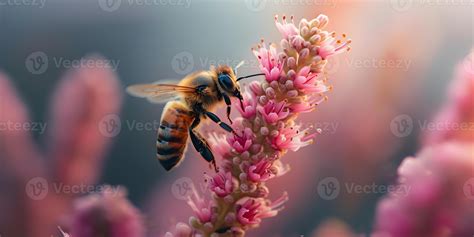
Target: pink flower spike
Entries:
(256, 88)
(273, 111)
(287, 29)
(242, 142)
(260, 172)
(270, 63)
(308, 82)
(200, 206)
(218, 144)
(291, 139)
(253, 210)
(330, 47)
(249, 109)
(221, 184)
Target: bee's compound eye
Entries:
(226, 82)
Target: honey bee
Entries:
(193, 99)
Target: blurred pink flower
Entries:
(108, 213)
(456, 119)
(333, 228)
(79, 142)
(430, 201)
(181, 230)
(74, 155)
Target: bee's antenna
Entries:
(238, 65)
(253, 75)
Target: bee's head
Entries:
(227, 82)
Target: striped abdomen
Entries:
(173, 134)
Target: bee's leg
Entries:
(217, 120)
(228, 103)
(200, 143)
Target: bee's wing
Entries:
(159, 93)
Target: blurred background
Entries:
(403, 57)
